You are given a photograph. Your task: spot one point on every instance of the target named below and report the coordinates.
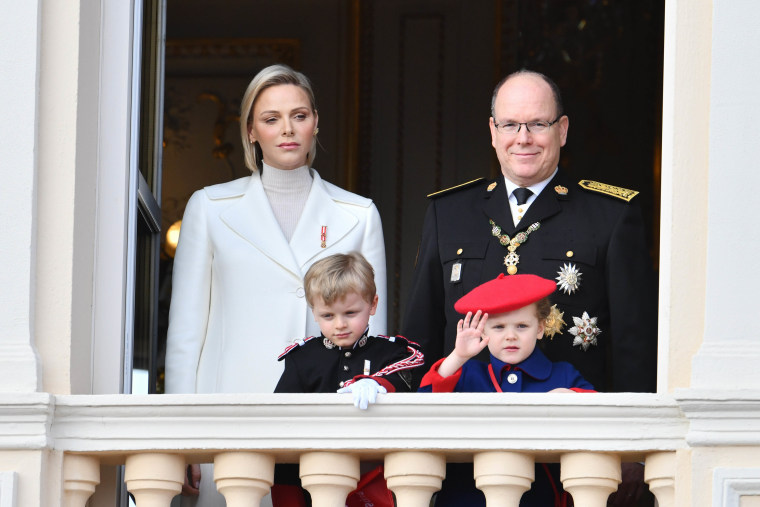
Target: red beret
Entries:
(505, 294)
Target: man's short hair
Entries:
(333, 277)
(523, 72)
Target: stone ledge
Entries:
(450, 423)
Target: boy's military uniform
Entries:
(316, 365)
(588, 238)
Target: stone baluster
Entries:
(329, 477)
(81, 474)
(503, 476)
(154, 478)
(414, 476)
(590, 477)
(660, 474)
(244, 478)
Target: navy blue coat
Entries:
(536, 374)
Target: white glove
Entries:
(365, 392)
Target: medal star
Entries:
(553, 324)
(569, 278)
(585, 331)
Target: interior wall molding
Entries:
(228, 56)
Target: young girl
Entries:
(507, 315)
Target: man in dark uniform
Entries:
(588, 237)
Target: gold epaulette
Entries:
(603, 188)
(456, 187)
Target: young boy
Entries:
(507, 315)
(341, 292)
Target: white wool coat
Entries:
(238, 298)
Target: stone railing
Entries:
(413, 434)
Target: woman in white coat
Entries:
(237, 296)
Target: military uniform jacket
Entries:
(601, 236)
(536, 374)
(315, 365)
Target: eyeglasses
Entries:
(534, 127)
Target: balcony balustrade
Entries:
(414, 435)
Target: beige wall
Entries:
(56, 173)
(82, 186)
(706, 459)
(38, 481)
(683, 240)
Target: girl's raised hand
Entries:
(470, 339)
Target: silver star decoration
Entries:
(569, 278)
(585, 331)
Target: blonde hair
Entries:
(270, 76)
(333, 277)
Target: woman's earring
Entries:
(316, 131)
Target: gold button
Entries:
(459, 252)
(569, 253)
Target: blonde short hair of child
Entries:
(333, 277)
(270, 76)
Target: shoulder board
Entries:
(398, 338)
(456, 187)
(297, 343)
(234, 188)
(603, 188)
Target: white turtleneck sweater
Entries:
(287, 191)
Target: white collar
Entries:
(536, 188)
